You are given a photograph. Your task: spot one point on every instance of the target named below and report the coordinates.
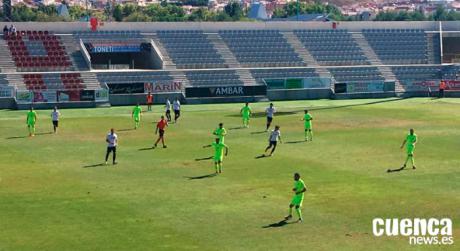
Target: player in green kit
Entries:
(246, 114)
(409, 142)
(308, 126)
(136, 114)
(30, 121)
(219, 154)
(220, 132)
(299, 191)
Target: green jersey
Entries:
(299, 185)
(246, 111)
(219, 149)
(137, 110)
(411, 139)
(220, 132)
(307, 117)
(31, 117)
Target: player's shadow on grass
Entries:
(397, 170)
(352, 105)
(126, 129)
(278, 224)
(263, 114)
(26, 136)
(94, 165)
(295, 142)
(146, 149)
(261, 156)
(236, 128)
(202, 176)
(260, 132)
(207, 158)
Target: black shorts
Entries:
(269, 119)
(55, 123)
(177, 112)
(168, 111)
(112, 149)
(273, 143)
(161, 132)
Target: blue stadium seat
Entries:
(332, 47)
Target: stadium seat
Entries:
(332, 47)
(36, 50)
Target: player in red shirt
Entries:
(149, 101)
(161, 125)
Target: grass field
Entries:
(54, 195)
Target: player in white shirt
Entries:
(112, 142)
(55, 114)
(270, 111)
(168, 110)
(275, 136)
(176, 108)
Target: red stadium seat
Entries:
(56, 59)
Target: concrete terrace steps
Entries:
(90, 80)
(72, 48)
(430, 47)
(223, 50)
(303, 53)
(246, 76)
(6, 61)
(366, 48)
(16, 80)
(299, 48)
(386, 71)
(179, 76)
(388, 74)
(229, 58)
(168, 63)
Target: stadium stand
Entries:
(213, 78)
(53, 81)
(190, 49)
(261, 74)
(417, 72)
(356, 74)
(332, 47)
(261, 48)
(434, 48)
(399, 46)
(391, 58)
(38, 51)
(110, 34)
(3, 81)
(110, 37)
(450, 72)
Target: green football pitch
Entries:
(56, 195)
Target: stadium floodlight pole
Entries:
(298, 10)
(87, 13)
